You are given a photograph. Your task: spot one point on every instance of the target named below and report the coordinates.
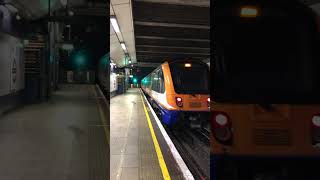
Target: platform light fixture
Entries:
(18, 17)
(115, 24)
(11, 8)
(123, 45)
(135, 80)
(249, 11)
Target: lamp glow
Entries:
(123, 46)
(115, 25)
(249, 11)
(187, 65)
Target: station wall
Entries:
(11, 64)
(11, 71)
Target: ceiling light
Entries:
(11, 8)
(123, 46)
(64, 2)
(249, 11)
(18, 17)
(71, 13)
(114, 23)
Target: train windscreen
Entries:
(190, 77)
(267, 59)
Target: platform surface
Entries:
(62, 139)
(132, 149)
(133, 155)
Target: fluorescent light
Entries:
(11, 8)
(123, 46)
(18, 17)
(67, 46)
(249, 11)
(115, 25)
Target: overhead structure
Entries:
(171, 29)
(122, 45)
(35, 9)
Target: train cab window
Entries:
(190, 78)
(267, 60)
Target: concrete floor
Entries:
(49, 141)
(131, 147)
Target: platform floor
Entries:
(132, 149)
(63, 139)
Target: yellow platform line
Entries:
(102, 116)
(162, 163)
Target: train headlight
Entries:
(221, 127)
(221, 119)
(179, 101)
(316, 120)
(315, 134)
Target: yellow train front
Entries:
(179, 92)
(266, 102)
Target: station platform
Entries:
(138, 149)
(64, 138)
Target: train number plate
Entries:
(195, 104)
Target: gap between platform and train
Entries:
(177, 157)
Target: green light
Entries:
(81, 59)
(144, 81)
(135, 80)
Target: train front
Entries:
(187, 91)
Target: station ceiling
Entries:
(122, 10)
(171, 29)
(35, 9)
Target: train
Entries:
(179, 92)
(265, 114)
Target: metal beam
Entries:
(176, 47)
(152, 52)
(147, 64)
(310, 2)
(157, 56)
(172, 32)
(199, 3)
(172, 39)
(144, 23)
(161, 42)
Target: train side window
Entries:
(161, 81)
(155, 82)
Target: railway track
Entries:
(194, 151)
(194, 148)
